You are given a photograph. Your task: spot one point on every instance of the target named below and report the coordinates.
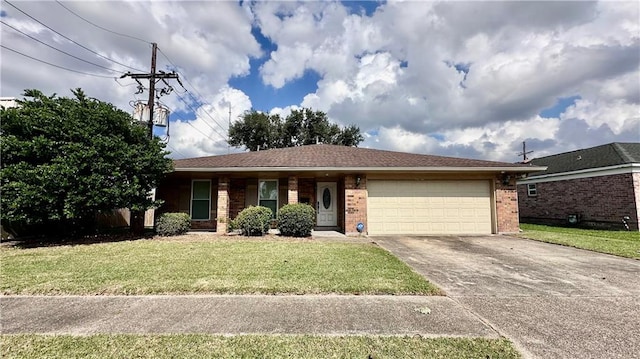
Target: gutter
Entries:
(523, 169)
(590, 172)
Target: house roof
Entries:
(332, 157)
(609, 155)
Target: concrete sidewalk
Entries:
(241, 314)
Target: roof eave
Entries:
(523, 169)
(632, 167)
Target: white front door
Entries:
(326, 204)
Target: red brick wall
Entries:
(169, 191)
(506, 206)
(176, 194)
(355, 204)
(237, 192)
(307, 189)
(598, 201)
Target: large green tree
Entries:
(261, 131)
(64, 160)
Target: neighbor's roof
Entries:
(609, 155)
(332, 157)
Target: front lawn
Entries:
(250, 346)
(620, 243)
(223, 266)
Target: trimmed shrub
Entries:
(232, 225)
(296, 220)
(254, 220)
(173, 224)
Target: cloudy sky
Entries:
(467, 79)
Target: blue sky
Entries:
(466, 79)
(561, 106)
(265, 97)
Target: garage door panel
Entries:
(429, 207)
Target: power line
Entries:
(204, 134)
(195, 112)
(100, 27)
(55, 48)
(193, 87)
(54, 65)
(175, 151)
(67, 38)
(190, 124)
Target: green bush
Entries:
(232, 225)
(172, 224)
(254, 220)
(296, 220)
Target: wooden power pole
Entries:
(137, 217)
(524, 152)
(153, 76)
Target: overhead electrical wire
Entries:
(193, 87)
(190, 124)
(55, 48)
(73, 41)
(173, 150)
(168, 59)
(54, 65)
(100, 27)
(195, 111)
(107, 58)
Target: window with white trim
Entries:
(268, 195)
(201, 200)
(532, 191)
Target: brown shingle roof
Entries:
(331, 156)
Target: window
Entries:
(200, 200)
(268, 194)
(532, 191)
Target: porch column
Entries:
(223, 205)
(292, 195)
(355, 203)
(507, 206)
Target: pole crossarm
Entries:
(153, 77)
(171, 75)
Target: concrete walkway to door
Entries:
(551, 301)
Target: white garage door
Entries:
(429, 207)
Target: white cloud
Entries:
(392, 73)
(207, 133)
(200, 37)
(521, 57)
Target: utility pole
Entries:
(524, 152)
(153, 77)
(137, 217)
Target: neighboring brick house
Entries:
(388, 192)
(592, 187)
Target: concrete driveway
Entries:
(551, 301)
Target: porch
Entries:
(212, 200)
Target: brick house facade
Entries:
(335, 181)
(596, 187)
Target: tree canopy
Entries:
(64, 160)
(260, 131)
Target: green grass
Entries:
(223, 266)
(620, 243)
(250, 346)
